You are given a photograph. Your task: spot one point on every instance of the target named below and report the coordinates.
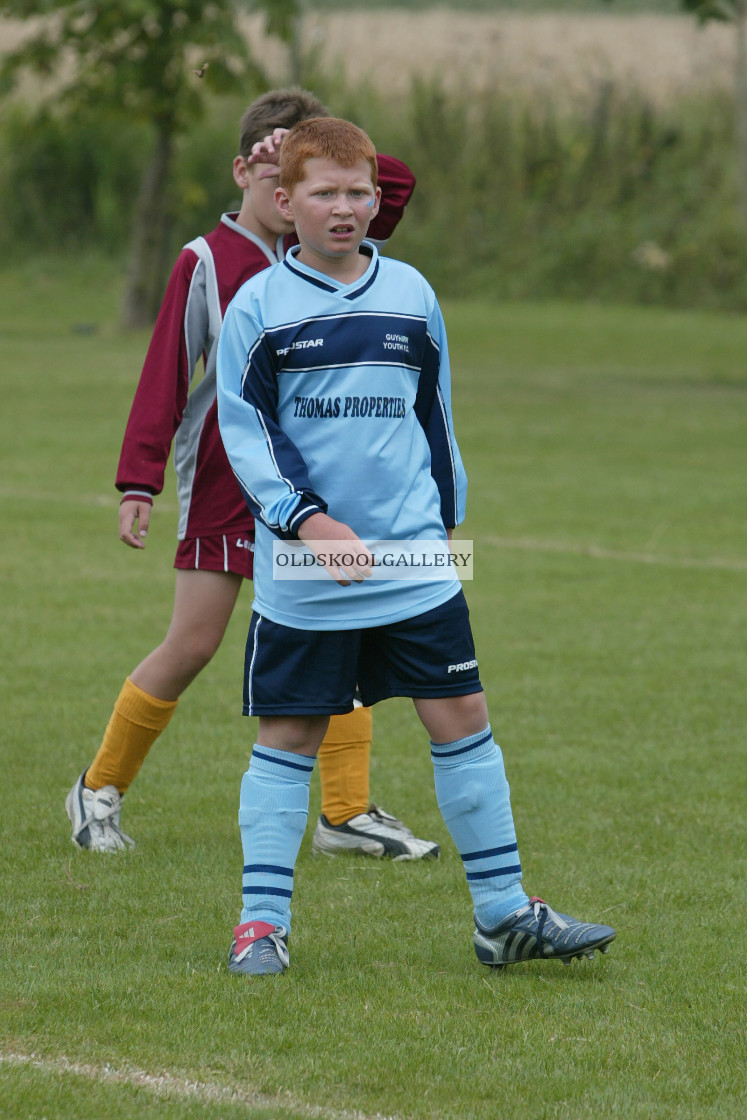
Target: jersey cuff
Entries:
(309, 505)
(137, 496)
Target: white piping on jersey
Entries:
(348, 365)
(252, 495)
(197, 552)
(294, 518)
(347, 315)
(249, 357)
(271, 449)
(273, 257)
(225, 553)
(289, 484)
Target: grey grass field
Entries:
(606, 450)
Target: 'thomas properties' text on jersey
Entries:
(175, 398)
(337, 398)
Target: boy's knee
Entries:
(196, 650)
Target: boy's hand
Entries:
(268, 151)
(335, 543)
(132, 513)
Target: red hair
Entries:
(324, 138)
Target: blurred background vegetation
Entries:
(611, 194)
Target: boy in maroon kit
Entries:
(173, 406)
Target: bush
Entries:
(68, 181)
(615, 199)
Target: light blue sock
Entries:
(273, 810)
(474, 799)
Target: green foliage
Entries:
(605, 448)
(66, 182)
(614, 198)
(727, 11)
(138, 55)
(134, 54)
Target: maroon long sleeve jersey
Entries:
(175, 401)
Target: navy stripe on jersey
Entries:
(431, 412)
(333, 341)
(261, 390)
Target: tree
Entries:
(153, 59)
(732, 11)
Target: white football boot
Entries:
(94, 815)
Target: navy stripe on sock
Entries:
(462, 750)
(488, 852)
(474, 875)
(268, 890)
(282, 761)
(267, 869)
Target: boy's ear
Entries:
(377, 203)
(283, 203)
(241, 172)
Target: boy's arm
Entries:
(397, 183)
(270, 469)
(433, 410)
(160, 398)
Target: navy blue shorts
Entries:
(290, 672)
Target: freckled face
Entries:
(331, 209)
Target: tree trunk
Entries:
(741, 109)
(296, 53)
(148, 253)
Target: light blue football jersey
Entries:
(337, 398)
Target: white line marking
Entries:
(524, 544)
(101, 501)
(595, 552)
(169, 1085)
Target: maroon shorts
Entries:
(227, 552)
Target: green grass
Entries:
(606, 454)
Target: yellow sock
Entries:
(135, 724)
(343, 765)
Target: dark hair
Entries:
(280, 108)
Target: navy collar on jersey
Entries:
(361, 285)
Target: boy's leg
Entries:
(344, 759)
(349, 821)
(203, 602)
(273, 811)
(474, 799)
